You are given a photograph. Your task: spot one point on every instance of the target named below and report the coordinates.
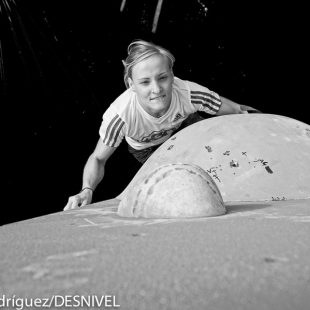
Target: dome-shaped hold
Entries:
(172, 191)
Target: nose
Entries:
(156, 89)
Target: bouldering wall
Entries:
(251, 157)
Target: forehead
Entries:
(154, 64)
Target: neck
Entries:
(158, 115)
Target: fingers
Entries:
(84, 203)
(67, 207)
(77, 201)
(249, 109)
(73, 203)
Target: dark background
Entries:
(61, 68)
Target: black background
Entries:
(61, 68)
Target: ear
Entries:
(130, 83)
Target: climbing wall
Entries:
(251, 157)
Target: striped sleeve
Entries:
(204, 99)
(112, 129)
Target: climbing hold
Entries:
(172, 191)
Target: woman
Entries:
(153, 107)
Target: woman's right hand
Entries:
(80, 200)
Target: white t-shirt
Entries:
(126, 118)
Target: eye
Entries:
(144, 82)
(164, 77)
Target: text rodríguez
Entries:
(59, 301)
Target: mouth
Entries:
(158, 97)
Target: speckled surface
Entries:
(251, 157)
(254, 257)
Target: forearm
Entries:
(93, 172)
(92, 175)
(229, 107)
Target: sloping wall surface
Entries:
(251, 157)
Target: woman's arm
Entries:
(92, 175)
(230, 107)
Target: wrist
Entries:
(86, 188)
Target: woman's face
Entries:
(152, 81)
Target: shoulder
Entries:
(189, 86)
(122, 106)
(196, 87)
(179, 83)
(199, 91)
(123, 101)
(115, 120)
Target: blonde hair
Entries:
(139, 50)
